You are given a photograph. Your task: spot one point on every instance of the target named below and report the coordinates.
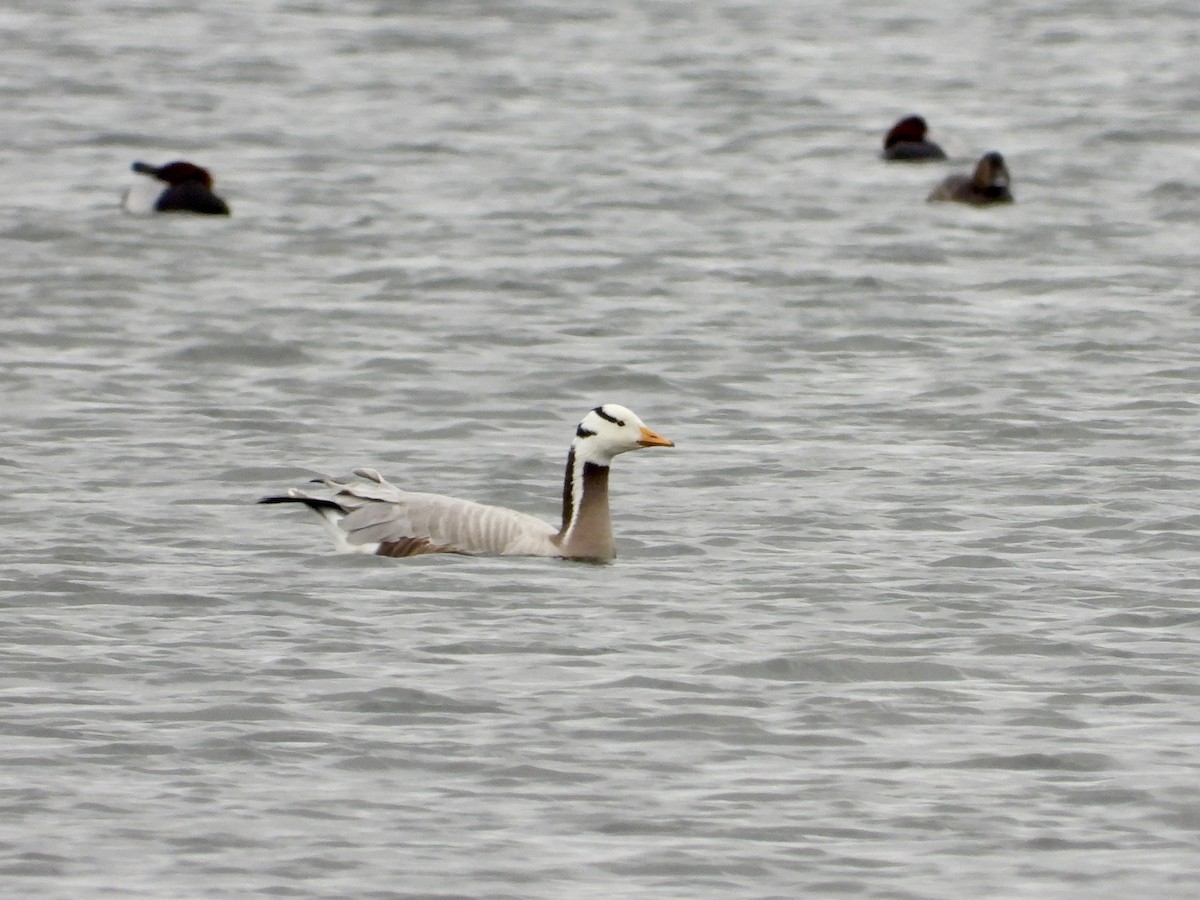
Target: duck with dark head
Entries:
(176, 187)
(988, 184)
(906, 142)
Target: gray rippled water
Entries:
(910, 611)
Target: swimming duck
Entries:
(177, 187)
(906, 142)
(987, 184)
(369, 515)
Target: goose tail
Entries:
(331, 513)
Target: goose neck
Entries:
(587, 523)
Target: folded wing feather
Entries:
(380, 512)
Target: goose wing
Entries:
(405, 523)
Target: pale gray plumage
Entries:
(379, 512)
(370, 515)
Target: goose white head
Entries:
(611, 429)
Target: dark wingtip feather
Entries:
(314, 503)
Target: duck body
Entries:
(176, 187)
(367, 514)
(906, 142)
(988, 184)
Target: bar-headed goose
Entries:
(369, 515)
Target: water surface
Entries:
(910, 610)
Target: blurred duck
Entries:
(906, 142)
(988, 184)
(176, 187)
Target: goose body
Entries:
(176, 187)
(366, 514)
(986, 185)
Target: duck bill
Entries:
(651, 439)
